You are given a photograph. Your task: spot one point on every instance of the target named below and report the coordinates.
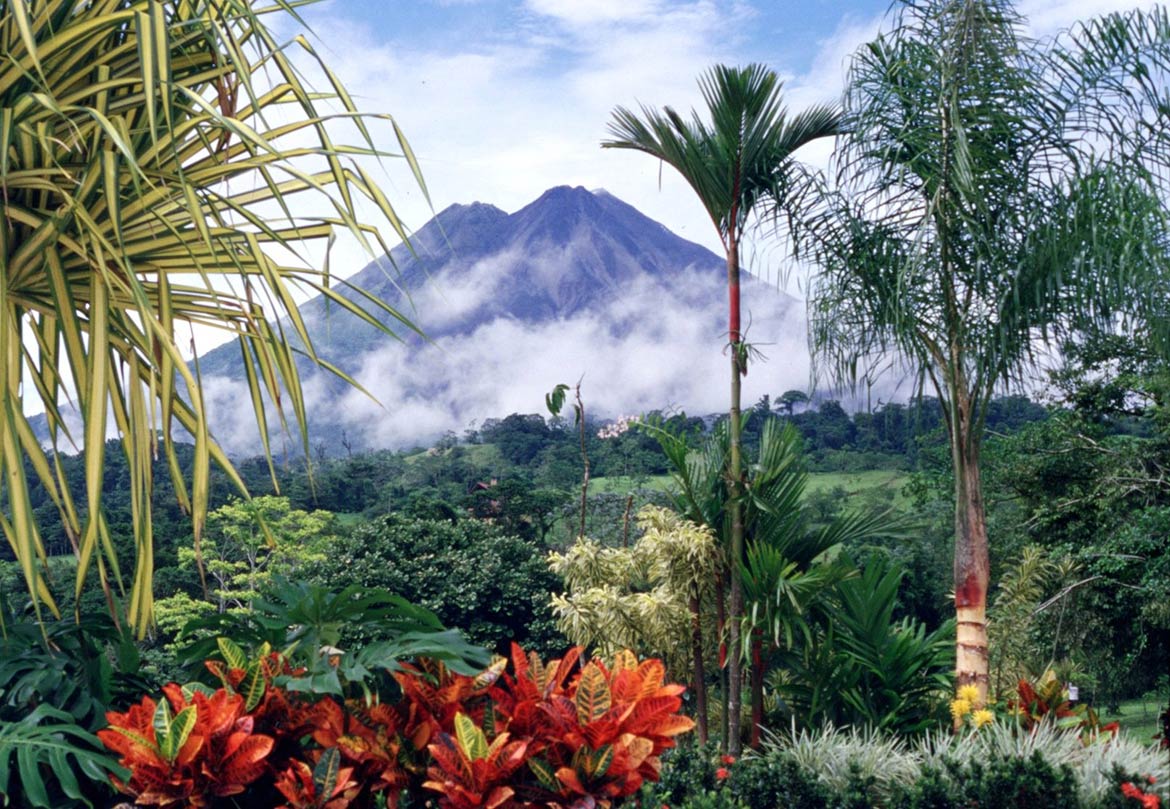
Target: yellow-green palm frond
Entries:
(163, 166)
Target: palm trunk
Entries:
(972, 567)
(757, 686)
(735, 510)
(720, 628)
(699, 674)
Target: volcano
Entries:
(575, 285)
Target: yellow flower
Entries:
(982, 717)
(969, 693)
(960, 708)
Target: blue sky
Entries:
(502, 99)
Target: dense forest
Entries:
(1078, 502)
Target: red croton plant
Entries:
(1048, 701)
(557, 735)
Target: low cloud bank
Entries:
(655, 345)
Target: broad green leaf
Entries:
(231, 652)
(178, 733)
(325, 773)
(252, 687)
(163, 717)
(471, 738)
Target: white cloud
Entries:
(520, 110)
(645, 349)
(1048, 17)
(609, 11)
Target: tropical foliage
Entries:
(152, 157)
(742, 158)
(861, 666)
(996, 766)
(56, 680)
(637, 597)
(996, 194)
(544, 735)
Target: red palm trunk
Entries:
(734, 492)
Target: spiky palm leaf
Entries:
(742, 156)
(163, 166)
(996, 193)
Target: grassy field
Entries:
(881, 483)
(479, 454)
(620, 484)
(876, 482)
(1138, 718)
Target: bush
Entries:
(1001, 783)
(688, 772)
(560, 734)
(776, 779)
(717, 799)
(474, 577)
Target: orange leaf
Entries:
(592, 698)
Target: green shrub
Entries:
(776, 779)
(473, 576)
(719, 799)
(999, 783)
(688, 771)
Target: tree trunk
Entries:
(757, 675)
(972, 567)
(720, 628)
(700, 678)
(735, 509)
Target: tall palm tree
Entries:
(997, 193)
(743, 156)
(163, 166)
(788, 561)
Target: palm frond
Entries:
(163, 167)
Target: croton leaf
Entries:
(625, 660)
(253, 685)
(232, 654)
(593, 696)
(177, 733)
(162, 720)
(600, 760)
(244, 765)
(674, 725)
(492, 673)
(498, 796)
(544, 773)
(472, 742)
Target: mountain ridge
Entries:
(576, 281)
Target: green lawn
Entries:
(854, 483)
(1138, 718)
(621, 484)
(873, 482)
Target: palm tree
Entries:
(998, 195)
(743, 156)
(164, 167)
(788, 561)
